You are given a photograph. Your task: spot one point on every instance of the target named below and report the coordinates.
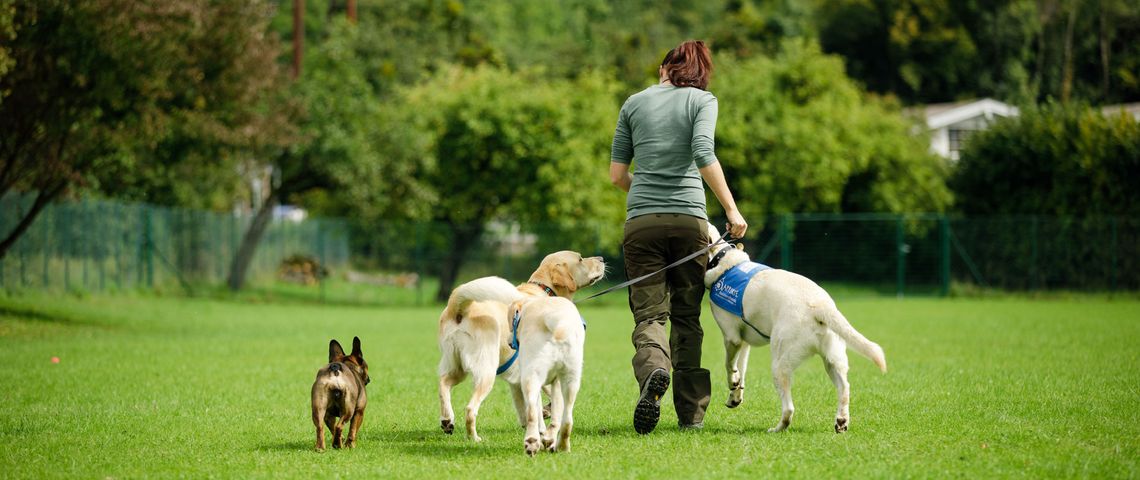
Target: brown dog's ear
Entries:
(335, 351)
(356, 348)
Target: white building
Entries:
(951, 123)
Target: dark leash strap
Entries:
(723, 239)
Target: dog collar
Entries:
(514, 343)
(549, 291)
(719, 255)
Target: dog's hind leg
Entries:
(484, 380)
(557, 407)
(835, 362)
(447, 380)
(318, 416)
(532, 391)
(357, 420)
(569, 394)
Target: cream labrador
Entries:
(757, 305)
(477, 342)
(550, 336)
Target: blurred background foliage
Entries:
(480, 112)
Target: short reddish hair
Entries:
(689, 65)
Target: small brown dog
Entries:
(339, 394)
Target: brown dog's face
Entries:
(355, 360)
(569, 270)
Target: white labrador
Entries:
(475, 335)
(792, 313)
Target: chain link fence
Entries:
(96, 245)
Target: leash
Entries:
(723, 239)
(514, 343)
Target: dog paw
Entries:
(476, 438)
(447, 426)
(732, 403)
(778, 428)
(531, 446)
(840, 425)
(546, 411)
(320, 449)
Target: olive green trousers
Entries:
(651, 242)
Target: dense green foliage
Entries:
(1016, 50)
(796, 135)
(513, 147)
(169, 387)
(1086, 160)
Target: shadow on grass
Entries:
(32, 314)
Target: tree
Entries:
(343, 133)
(796, 135)
(96, 86)
(514, 146)
(1052, 160)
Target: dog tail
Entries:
(487, 288)
(839, 324)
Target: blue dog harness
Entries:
(728, 291)
(514, 344)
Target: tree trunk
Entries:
(249, 243)
(462, 238)
(1067, 76)
(43, 198)
(1104, 52)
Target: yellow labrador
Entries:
(476, 341)
(757, 305)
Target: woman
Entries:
(668, 129)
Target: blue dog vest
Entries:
(728, 291)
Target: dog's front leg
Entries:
(520, 404)
(742, 372)
(731, 347)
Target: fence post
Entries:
(1112, 277)
(148, 247)
(945, 258)
(1033, 255)
(900, 246)
(419, 263)
(66, 250)
(785, 242)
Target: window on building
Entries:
(957, 139)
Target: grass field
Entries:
(165, 387)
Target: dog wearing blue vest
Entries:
(475, 333)
(754, 304)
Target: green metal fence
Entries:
(103, 245)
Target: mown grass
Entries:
(178, 387)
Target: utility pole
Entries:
(352, 11)
(298, 35)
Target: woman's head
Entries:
(688, 65)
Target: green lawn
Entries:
(163, 387)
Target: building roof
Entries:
(1129, 108)
(939, 115)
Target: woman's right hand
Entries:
(736, 226)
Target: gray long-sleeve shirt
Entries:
(669, 132)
